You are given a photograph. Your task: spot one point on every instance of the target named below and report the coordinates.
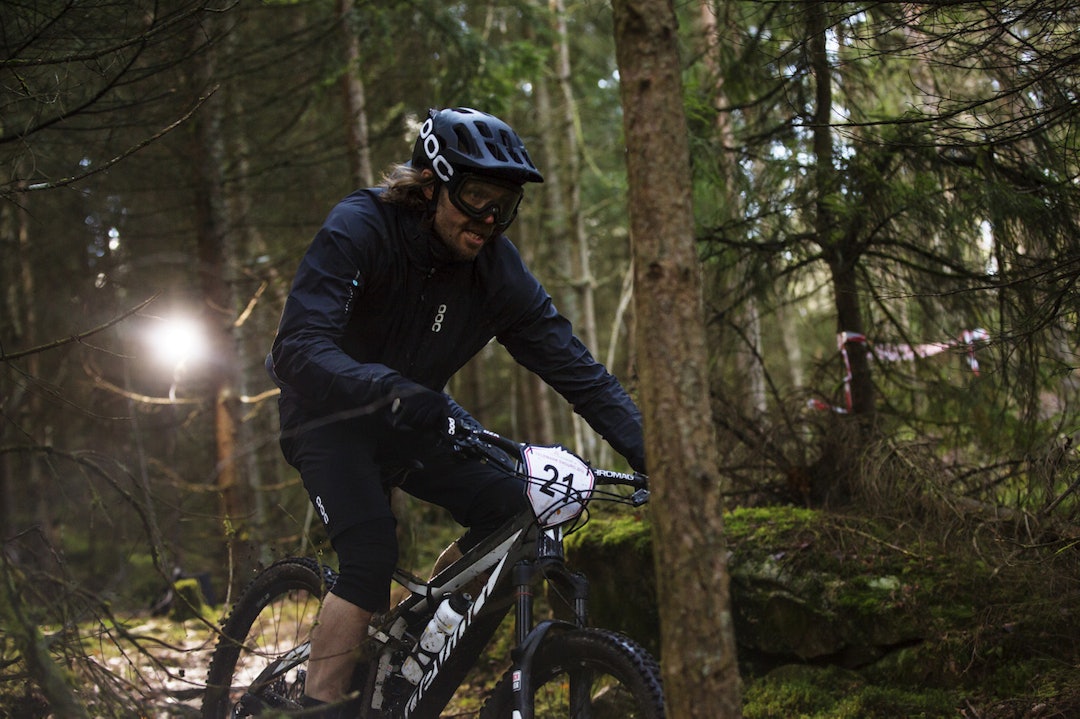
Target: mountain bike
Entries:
(418, 653)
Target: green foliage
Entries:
(947, 203)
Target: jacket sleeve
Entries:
(307, 359)
(543, 341)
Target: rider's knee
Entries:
(367, 555)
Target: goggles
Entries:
(477, 197)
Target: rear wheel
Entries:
(273, 616)
(587, 674)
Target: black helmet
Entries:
(463, 140)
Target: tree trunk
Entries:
(557, 253)
(749, 367)
(352, 86)
(582, 280)
(214, 254)
(842, 252)
(697, 637)
(248, 243)
(18, 282)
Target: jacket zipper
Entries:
(421, 322)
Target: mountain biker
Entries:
(401, 286)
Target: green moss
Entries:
(765, 523)
(189, 602)
(625, 531)
(802, 692)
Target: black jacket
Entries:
(375, 305)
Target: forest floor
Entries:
(1002, 640)
(169, 672)
(176, 670)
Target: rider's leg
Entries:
(367, 553)
(335, 643)
(451, 554)
(336, 460)
(478, 496)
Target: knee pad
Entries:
(367, 556)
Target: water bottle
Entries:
(446, 620)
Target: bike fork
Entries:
(529, 638)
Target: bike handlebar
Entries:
(480, 441)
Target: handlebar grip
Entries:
(637, 480)
(466, 438)
(478, 442)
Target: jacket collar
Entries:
(423, 246)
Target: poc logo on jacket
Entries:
(440, 315)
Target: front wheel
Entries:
(586, 674)
(273, 616)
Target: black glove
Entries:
(419, 408)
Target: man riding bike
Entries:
(402, 285)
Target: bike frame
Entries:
(519, 557)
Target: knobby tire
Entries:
(587, 674)
(274, 614)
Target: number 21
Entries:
(547, 488)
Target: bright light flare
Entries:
(177, 340)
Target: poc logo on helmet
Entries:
(439, 163)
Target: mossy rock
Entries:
(188, 601)
(796, 596)
(616, 555)
(916, 624)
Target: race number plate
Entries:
(560, 484)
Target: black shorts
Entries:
(347, 466)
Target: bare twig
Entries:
(7, 357)
(123, 155)
(251, 305)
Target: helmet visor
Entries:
(478, 197)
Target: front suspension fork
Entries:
(529, 637)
